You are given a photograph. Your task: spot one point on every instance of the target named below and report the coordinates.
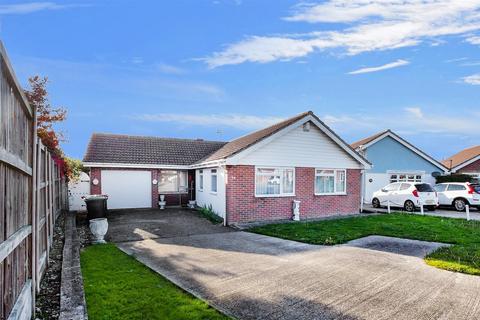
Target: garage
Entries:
(127, 188)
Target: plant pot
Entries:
(99, 228)
(191, 204)
(162, 197)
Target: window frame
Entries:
(200, 180)
(213, 172)
(178, 186)
(335, 193)
(281, 194)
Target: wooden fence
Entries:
(32, 195)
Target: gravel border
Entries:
(47, 304)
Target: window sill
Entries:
(213, 193)
(331, 194)
(274, 195)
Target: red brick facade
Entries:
(472, 167)
(244, 207)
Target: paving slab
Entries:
(251, 276)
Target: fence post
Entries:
(361, 204)
(467, 209)
(421, 209)
(388, 206)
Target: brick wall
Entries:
(243, 206)
(97, 173)
(472, 167)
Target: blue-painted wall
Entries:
(388, 154)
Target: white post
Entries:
(467, 209)
(388, 206)
(421, 209)
(361, 204)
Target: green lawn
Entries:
(463, 256)
(119, 287)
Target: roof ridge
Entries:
(153, 137)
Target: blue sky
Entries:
(216, 69)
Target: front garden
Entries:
(463, 256)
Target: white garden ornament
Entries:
(99, 228)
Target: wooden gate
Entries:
(32, 195)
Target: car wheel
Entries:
(376, 203)
(459, 204)
(409, 206)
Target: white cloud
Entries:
(413, 120)
(416, 112)
(367, 26)
(475, 40)
(390, 65)
(169, 69)
(30, 7)
(474, 79)
(239, 121)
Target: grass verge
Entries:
(119, 287)
(463, 256)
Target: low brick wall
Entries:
(244, 207)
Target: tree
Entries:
(47, 116)
(73, 168)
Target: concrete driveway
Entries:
(250, 276)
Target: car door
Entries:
(390, 194)
(402, 194)
(442, 194)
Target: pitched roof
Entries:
(362, 142)
(237, 145)
(115, 148)
(462, 157)
(402, 141)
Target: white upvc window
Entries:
(405, 177)
(200, 180)
(274, 182)
(330, 181)
(213, 180)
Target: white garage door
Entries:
(127, 189)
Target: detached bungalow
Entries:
(253, 178)
(466, 161)
(395, 160)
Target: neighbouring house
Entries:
(394, 160)
(253, 178)
(466, 162)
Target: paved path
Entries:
(442, 212)
(251, 276)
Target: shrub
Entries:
(210, 214)
(455, 178)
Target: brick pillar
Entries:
(154, 189)
(96, 173)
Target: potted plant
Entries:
(99, 228)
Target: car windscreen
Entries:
(424, 187)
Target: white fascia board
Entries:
(466, 163)
(136, 166)
(408, 146)
(208, 164)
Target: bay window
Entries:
(330, 181)
(274, 181)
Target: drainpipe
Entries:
(362, 189)
(225, 224)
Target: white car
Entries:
(407, 195)
(458, 195)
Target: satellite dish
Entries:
(436, 174)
